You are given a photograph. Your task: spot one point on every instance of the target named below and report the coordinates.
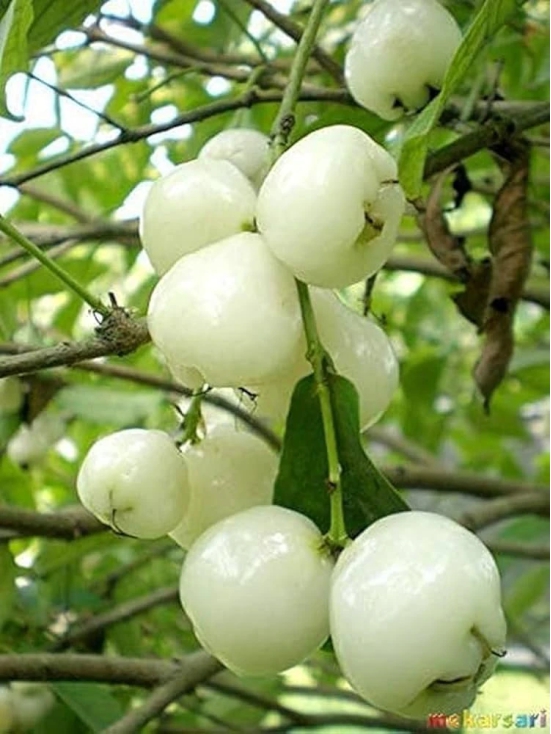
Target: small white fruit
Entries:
(136, 481)
(31, 702)
(30, 443)
(330, 207)
(400, 50)
(256, 587)
(229, 310)
(361, 352)
(416, 620)
(247, 149)
(229, 471)
(11, 395)
(196, 204)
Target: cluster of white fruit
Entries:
(225, 310)
(413, 603)
(23, 705)
(399, 53)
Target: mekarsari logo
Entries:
(468, 720)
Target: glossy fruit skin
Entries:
(229, 471)
(360, 350)
(256, 587)
(196, 204)
(230, 311)
(406, 596)
(331, 206)
(398, 51)
(247, 149)
(136, 481)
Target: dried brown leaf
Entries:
(445, 246)
(511, 247)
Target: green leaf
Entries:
(91, 68)
(51, 17)
(14, 25)
(98, 404)
(301, 483)
(92, 703)
(8, 572)
(490, 17)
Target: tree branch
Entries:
(294, 31)
(248, 99)
(200, 668)
(141, 672)
(67, 524)
(118, 334)
(521, 550)
(488, 134)
(120, 613)
(463, 482)
(502, 508)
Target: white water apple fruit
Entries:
(230, 470)
(256, 588)
(136, 481)
(229, 310)
(331, 206)
(398, 53)
(360, 350)
(416, 618)
(196, 204)
(247, 149)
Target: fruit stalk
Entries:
(13, 233)
(284, 120)
(281, 129)
(337, 534)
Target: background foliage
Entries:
(97, 113)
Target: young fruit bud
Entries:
(246, 149)
(196, 204)
(136, 481)
(229, 471)
(230, 311)
(416, 620)
(31, 442)
(400, 52)
(256, 588)
(330, 207)
(360, 350)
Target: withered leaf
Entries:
(511, 247)
(445, 246)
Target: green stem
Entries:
(284, 121)
(281, 129)
(193, 416)
(317, 357)
(13, 233)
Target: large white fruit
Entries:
(196, 204)
(361, 352)
(136, 481)
(398, 53)
(229, 471)
(247, 149)
(256, 588)
(230, 311)
(330, 207)
(416, 620)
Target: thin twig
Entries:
(201, 667)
